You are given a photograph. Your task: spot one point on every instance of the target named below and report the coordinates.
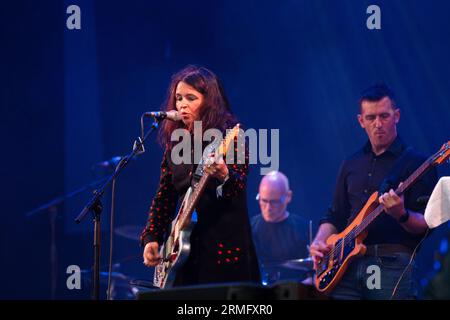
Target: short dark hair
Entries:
(377, 92)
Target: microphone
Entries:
(161, 115)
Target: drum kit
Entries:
(123, 286)
(126, 287)
(305, 264)
(300, 270)
(120, 284)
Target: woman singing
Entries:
(221, 243)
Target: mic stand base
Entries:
(97, 209)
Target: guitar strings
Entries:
(353, 233)
(371, 216)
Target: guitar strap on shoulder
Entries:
(398, 172)
(211, 148)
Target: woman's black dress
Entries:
(222, 249)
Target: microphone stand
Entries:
(57, 201)
(52, 208)
(95, 205)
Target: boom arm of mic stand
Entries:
(138, 148)
(61, 199)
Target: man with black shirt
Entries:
(279, 235)
(394, 235)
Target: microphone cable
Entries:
(409, 264)
(111, 232)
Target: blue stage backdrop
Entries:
(73, 97)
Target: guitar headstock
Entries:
(229, 138)
(442, 155)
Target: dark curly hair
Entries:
(215, 112)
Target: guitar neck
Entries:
(220, 150)
(416, 175)
(192, 203)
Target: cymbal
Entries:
(120, 279)
(130, 232)
(299, 264)
(305, 264)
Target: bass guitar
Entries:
(349, 243)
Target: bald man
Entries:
(278, 235)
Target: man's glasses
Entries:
(273, 203)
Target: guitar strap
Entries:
(398, 172)
(211, 148)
